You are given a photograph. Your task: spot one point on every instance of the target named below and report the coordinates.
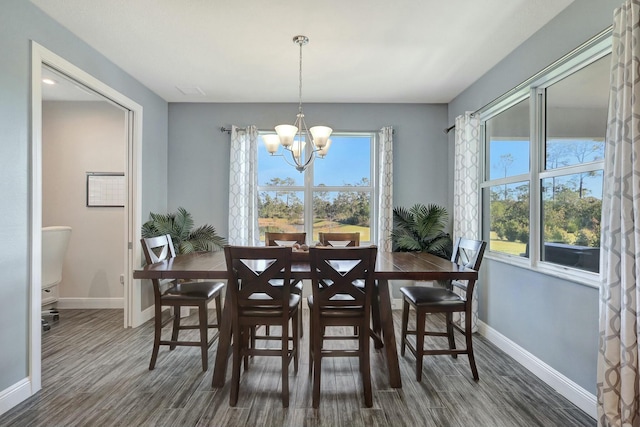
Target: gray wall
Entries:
(199, 152)
(21, 22)
(555, 320)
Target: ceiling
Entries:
(360, 51)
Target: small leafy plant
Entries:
(180, 226)
(421, 229)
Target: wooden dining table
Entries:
(389, 266)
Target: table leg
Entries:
(386, 319)
(224, 344)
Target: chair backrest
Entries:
(284, 239)
(55, 241)
(158, 248)
(467, 253)
(339, 239)
(336, 271)
(256, 274)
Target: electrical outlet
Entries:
(122, 279)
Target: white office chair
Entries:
(55, 241)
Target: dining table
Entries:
(419, 266)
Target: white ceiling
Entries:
(382, 51)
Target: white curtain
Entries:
(385, 185)
(618, 379)
(243, 183)
(466, 173)
(466, 203)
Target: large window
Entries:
(543, 167)
(336, 193)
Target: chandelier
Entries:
(301, 143)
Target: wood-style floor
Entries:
(95, 373)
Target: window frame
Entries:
(308, 188)
(534, 89)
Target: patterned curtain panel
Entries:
(385, 179)
(618, 380)
(243, 183)
(466, 203)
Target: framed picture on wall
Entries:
(106, 189)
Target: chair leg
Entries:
(375, 310)
(252, 341)
(365, 365)
(311, 341)
(157, 321)
(247, 335)
(420, 321)
(300, 328)
(218, 310)
(317, 364)
(235, 374)
(450, 336)
(296, 331)
(176, 326)
(468, 335)
(284, 356)
(204, 334)
(405, 323)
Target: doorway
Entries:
(132, 112)
(84, 142)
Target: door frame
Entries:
(133, 315)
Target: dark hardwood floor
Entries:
(95, 373)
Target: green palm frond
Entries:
(180, 226)
(421, 228)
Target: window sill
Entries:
(581, 277)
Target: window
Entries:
(507, 147)
(336, 193)
(543, 166)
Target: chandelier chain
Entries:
(300, 80)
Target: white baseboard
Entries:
(563, 385)
(15, 394)
(90, 303)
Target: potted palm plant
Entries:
(180, 226)
(421, 229)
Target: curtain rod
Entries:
(452, 127)
(224, 129)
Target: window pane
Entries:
(507, 136)
(509, 218)
(576, 116)
(280, 211)
(571, 209)
(342, 211)
(274, 170)
(348, 162)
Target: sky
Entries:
(519, 149)
(347, 162)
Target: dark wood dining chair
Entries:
(349, 240)
(287, 239)
(339, 239)
(176, 296)
(337, 301)
(258, 297)
(438, 299)
(284, 239)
